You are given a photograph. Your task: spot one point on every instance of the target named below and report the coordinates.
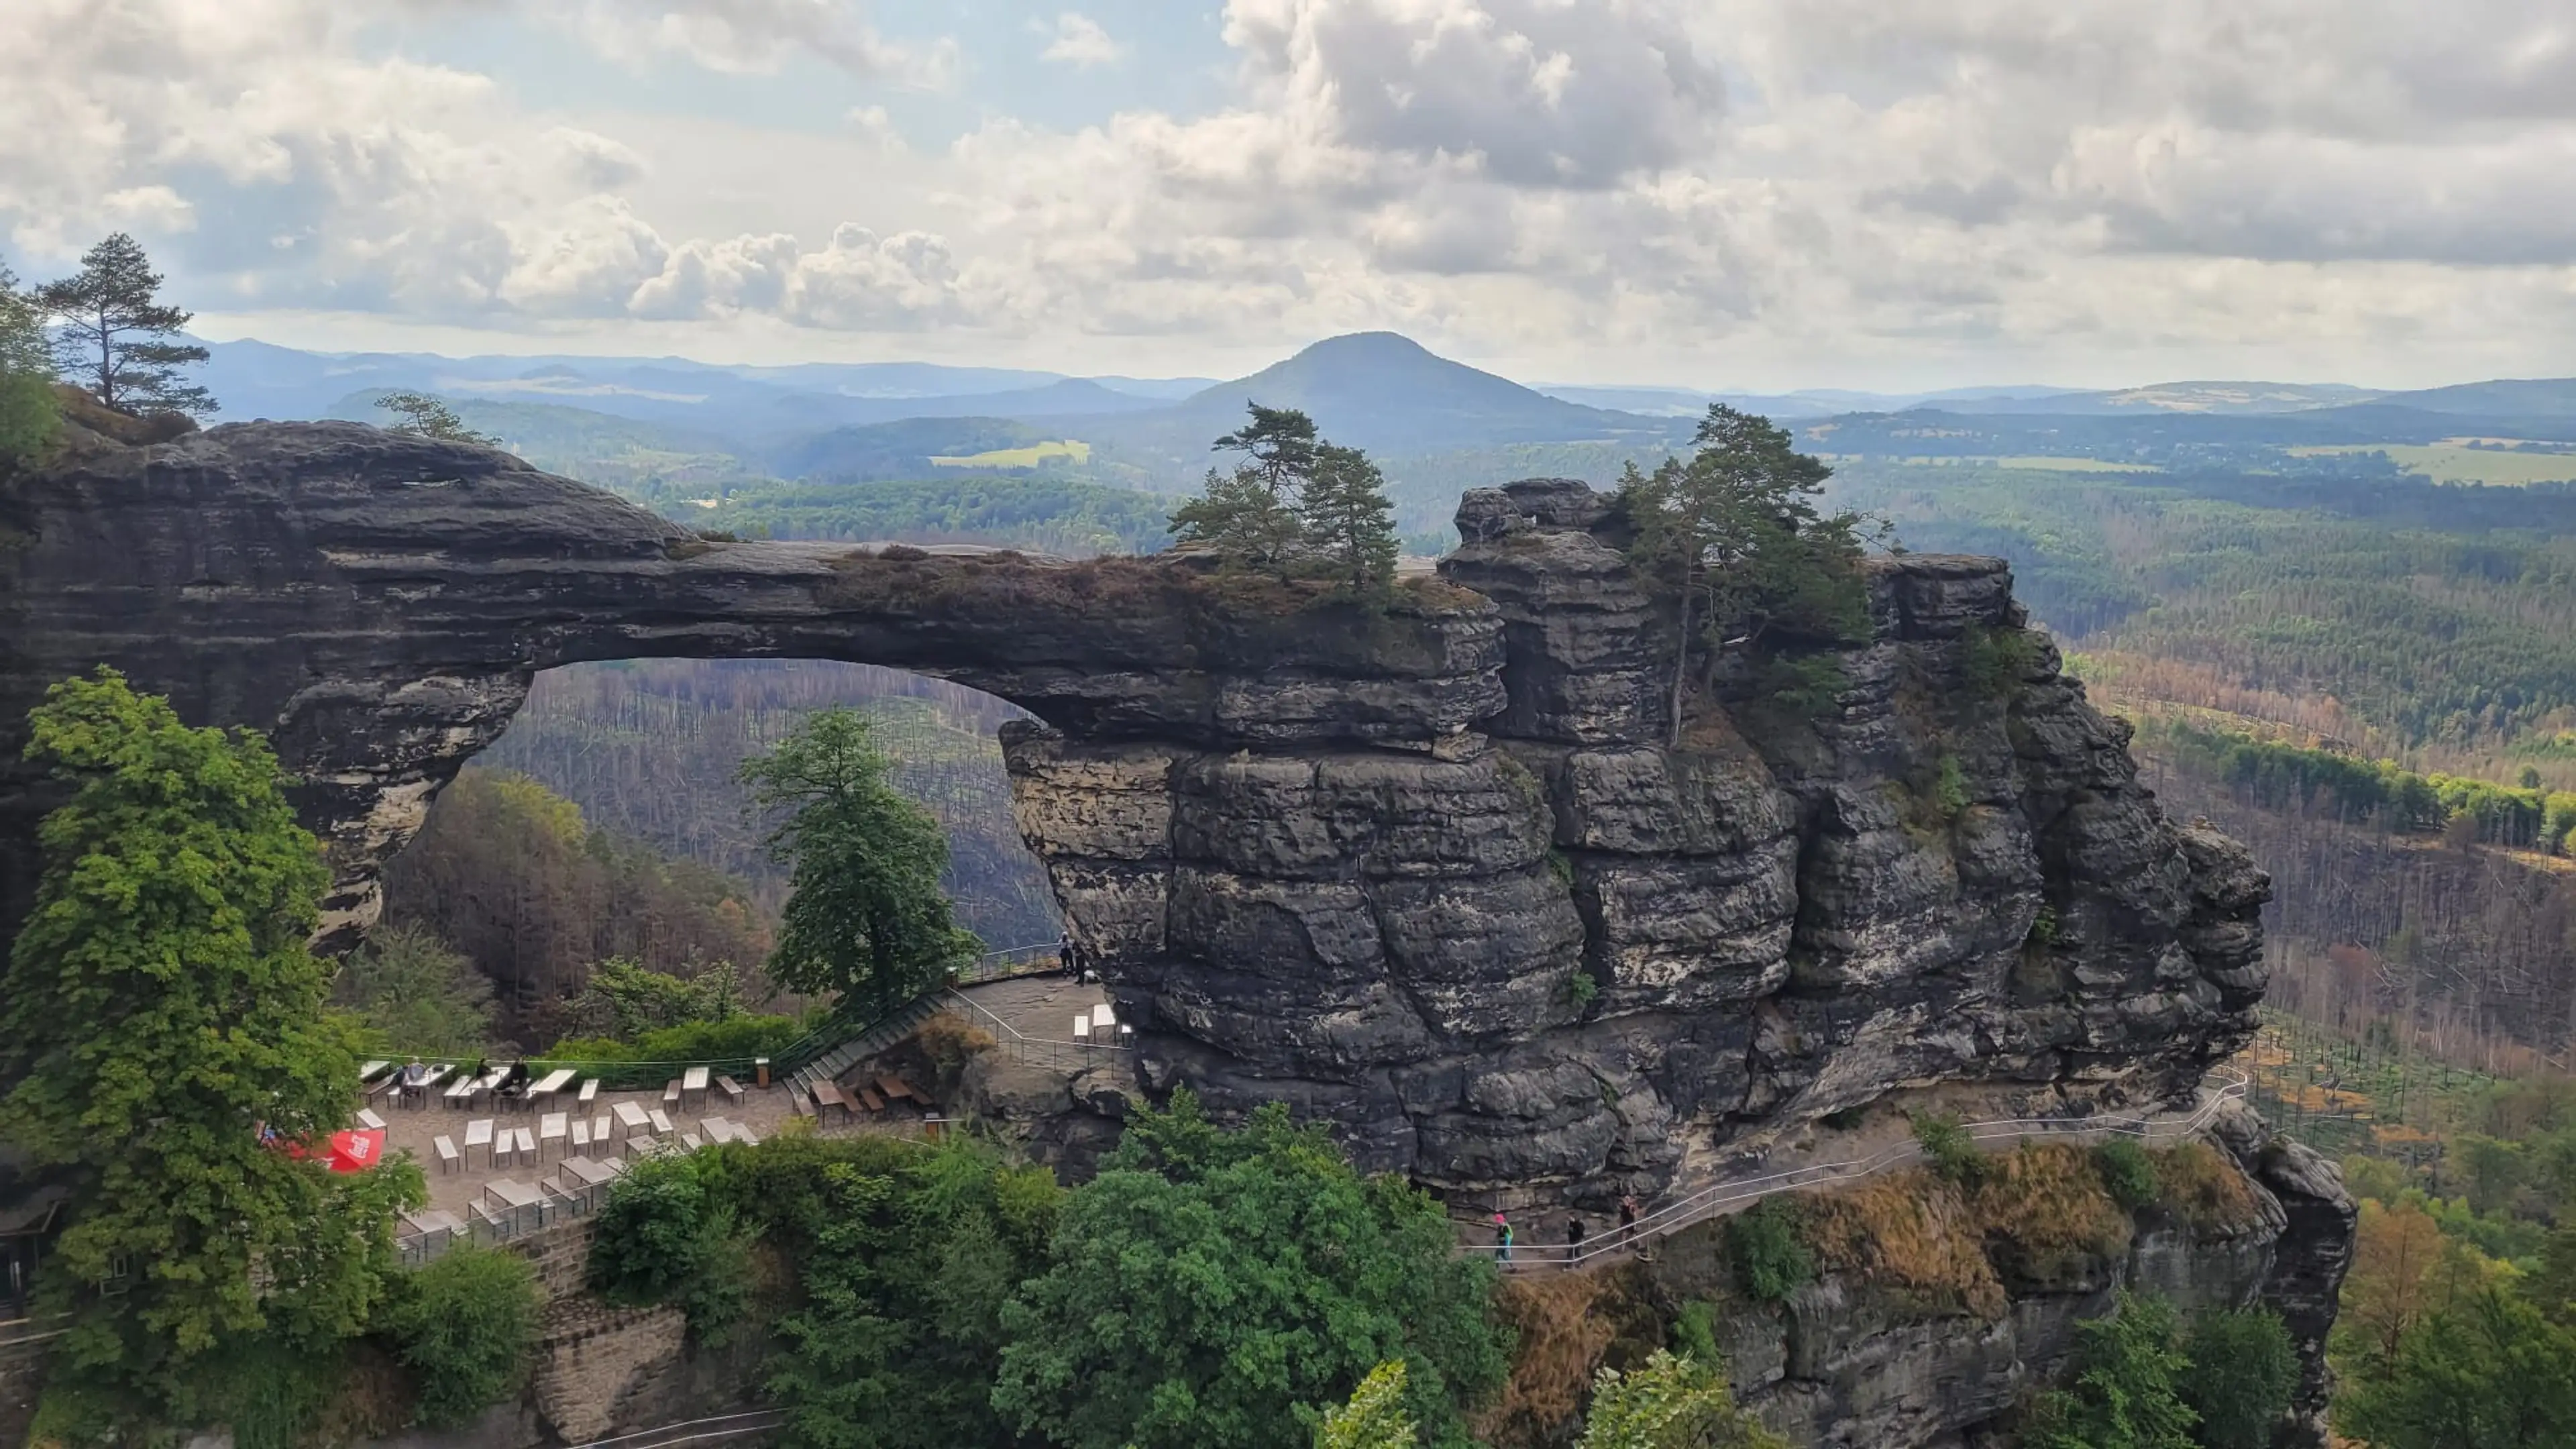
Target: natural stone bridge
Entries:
(1357, 863)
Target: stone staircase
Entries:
(870, 1040)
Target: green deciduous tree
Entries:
(423, 415)
(1734, 540)
(1375, 1416)
(2126, 1392)
(666, 1234)
(2242, 1371)
(866, 916)
(160, 1009)
(1670, 1402)
(29, 418)
(1349, 523)
(466, 1326)
(115, 337)
(416, 995)
(2492, 1373)
(1214, 1287)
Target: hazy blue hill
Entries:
(1376, 390)
(1939, 433)
(2547, 397)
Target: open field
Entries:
(2452, 462)
(1072, 449)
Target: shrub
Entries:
(1950, 788)
(1948, 1147)
(1374, 1418)
(1559, 1332)
(1910, 1234)
(1668, 1402)
(2243, 1370)
(2125, 1393)
(1695, 1331)
(466, 1326)
(2127, 1172)
(949, 1043)
(1995, 661)
(663, 1237)
(1771, 1259)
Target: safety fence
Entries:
(694, 1431)
(30, 1330)
(1728, 1195)
(1107, 1041)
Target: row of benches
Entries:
(827, 1096)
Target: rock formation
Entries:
(1430, 874)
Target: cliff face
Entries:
(1432, 875)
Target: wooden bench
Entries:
(869, 1099)
(589, 1091)
(449, 1159)
(731, 1089)
(804, 1105)
(671, 1096)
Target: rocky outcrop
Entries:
(1434, 874)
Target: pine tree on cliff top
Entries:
(115, 333)
(1349, 522)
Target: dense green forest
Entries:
(1043, 513)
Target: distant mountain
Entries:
(901, 449)
(1375, 390)
(2525, 397)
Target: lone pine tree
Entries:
(115, 333)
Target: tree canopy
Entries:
(1214, 1287)
(424, 415)
(162, 1038)
(116, 333)
(1296, 504)
(29, 419)
(1734, 540)
(866, 917)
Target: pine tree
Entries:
(163, 1032)
(425, 416)
(866, 916)
(115, 333)
(1349, 522)
(1282, 444)
(1240, 518)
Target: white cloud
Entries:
(1079, 41)
(1656, 183)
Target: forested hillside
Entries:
(649, 749)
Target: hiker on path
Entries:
(1502, 1239)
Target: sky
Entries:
(1761, 194)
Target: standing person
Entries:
(1573, 1238)
(1628, 1218)
(1502, 1239)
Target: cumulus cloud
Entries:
(1078, 40)
(1531, 177)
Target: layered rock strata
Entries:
(1435, 874)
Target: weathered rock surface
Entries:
(1433, 875)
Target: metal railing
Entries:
(1016, 1045)
(694, 1431)
(31, 1329)
(1002, 965)
(1723, 1197)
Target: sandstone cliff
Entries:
(1365, 864)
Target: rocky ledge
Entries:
(1432, 874)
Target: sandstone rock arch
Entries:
(1355, 863)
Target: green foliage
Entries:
(734, 1039)
(1280, 447)
(626, 1000)
(1670, 1403)
(415, 996)
(114, 333)
(867, 918)
(2127, 1391)
(1950, 788)
(1807, 686)
(1375, 1416)
(425, 416)
(2282, 776)
(664, 1236)
(1948, 1147)
(1734, 540)
(2241, 1370)
(907, 1255)
(1694, 1331)
(1771, 1258)
(2490, 1373)
(1241, 519)
(159, 1008)
(1057, 515)
(466, 1326)
(2044, 927)
(29, 417)
(1994, 661)
(2128, 1174)
(1581, 990)
(1208, 1283)
(1349, 524)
